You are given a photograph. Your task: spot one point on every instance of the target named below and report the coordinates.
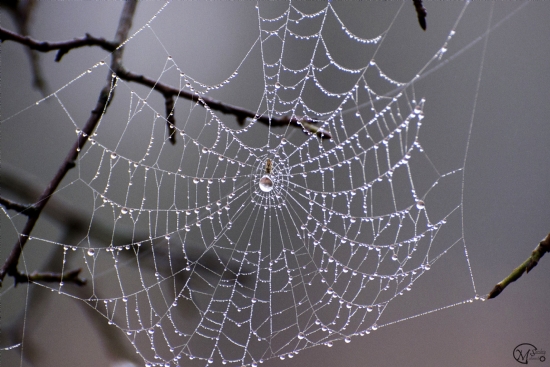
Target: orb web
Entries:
(248, 240)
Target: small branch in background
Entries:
(525, 267)
(211, 104)
(106, 94)
(166, 90)
(27, 210)
(421, 12)
(314, 129)
(21, 13)
(66, 216)
(63, 47)
(68, 277)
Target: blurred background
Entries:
(506, 202)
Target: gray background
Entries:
(506, 201)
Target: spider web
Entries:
(248, 240)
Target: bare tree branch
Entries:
(20, 208)
(21, 12)
(212, 104)
(63, 47)
(525, 267)
(57, 210)
(125, 23)
(166, 90)
(68, 277)
(421, 12)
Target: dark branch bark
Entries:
(27, 210)
(65, 215)
(21, 13)
(212, 104)
(525, 267)
(68, 277)
(421, 12)
(63, 47)
(167, 91)
(125, 23)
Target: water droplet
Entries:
(420, 204)
(210, 360)
(124, 210)
(277, 85)
(91, 252)
(113, 155)
(301, 336)
(266, 184)
(347, 339)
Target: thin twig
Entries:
(63, 47)
(60, 212)
(525, 267)
(421, 12)
(166, 90)
(21, 13)
(212, 104)
(68, 277)
(125, 22)
(20, 208)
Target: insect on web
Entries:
(247, 240)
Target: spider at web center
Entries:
(266, 183)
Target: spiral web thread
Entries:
(247, 242)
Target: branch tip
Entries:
(525, 267)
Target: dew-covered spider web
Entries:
(308, 223)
